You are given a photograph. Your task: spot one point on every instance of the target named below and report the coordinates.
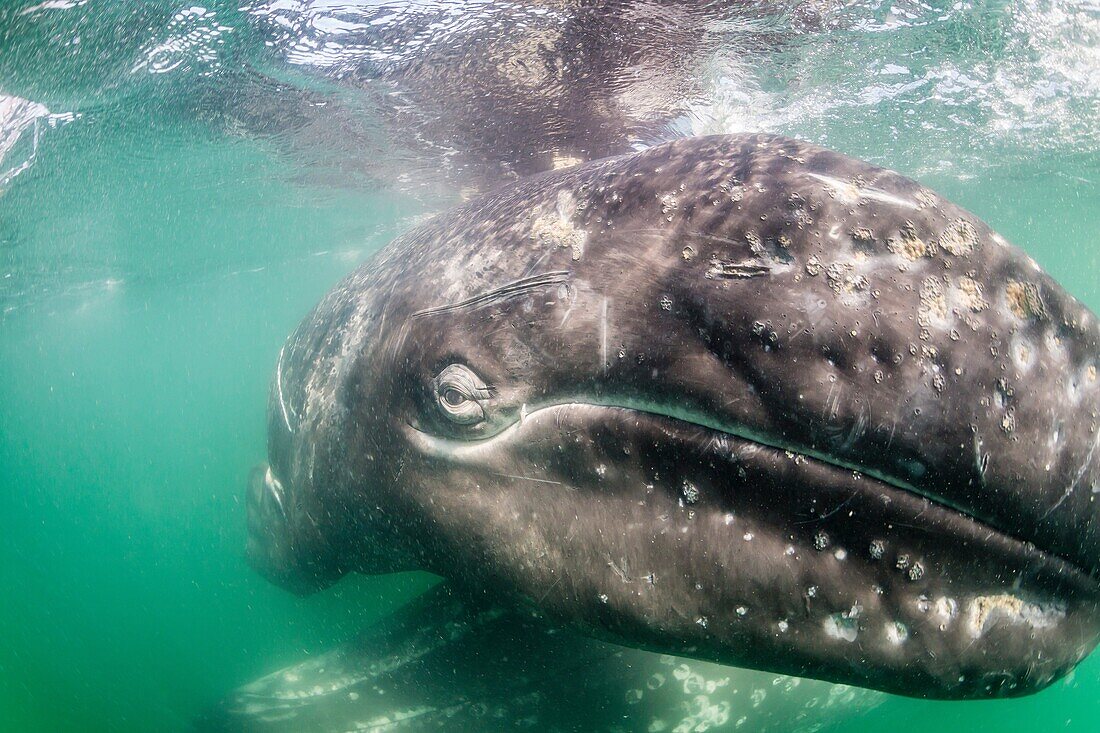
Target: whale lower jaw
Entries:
(727, 549)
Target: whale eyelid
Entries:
(462, 380)
(509, 290)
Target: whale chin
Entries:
(272, 549)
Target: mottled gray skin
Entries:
(738, 398)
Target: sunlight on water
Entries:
(181, 182)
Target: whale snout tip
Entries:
(272, 548)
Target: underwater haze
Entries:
(181, 182)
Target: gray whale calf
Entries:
(735, 398)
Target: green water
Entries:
(153, 261)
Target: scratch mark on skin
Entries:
(1077, 478)
(662, 236)
(981, 460)
(402, 337)
(565, 316)
(511, 290)
(856, 431)
(838, 507)
(832, 402)
(603, 336)
(279, 388)
(619, 571)
(547, 591)
(717, 443)
(275, 490)
(850, 190)
(797, 330)
(726, 270)
(569, 310)
(540, 260)
(527, 478)
(715, 238)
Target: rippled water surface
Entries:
(179, 183)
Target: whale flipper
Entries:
(439, 664)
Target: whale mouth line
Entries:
(469, 449)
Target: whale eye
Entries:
(453, 397)
(460, 394)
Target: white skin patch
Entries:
(985, 611)
(560, 230)
(896, 632)
(842, 625)
(1024, 353)
(946, 608)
